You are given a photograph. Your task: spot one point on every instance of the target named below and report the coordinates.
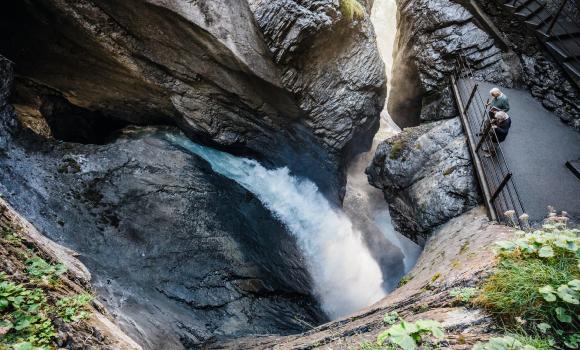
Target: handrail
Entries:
(494, 176)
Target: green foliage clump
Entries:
(352, 9)
(516, 342)
(397, 149)
(404, 280)
(537, 283)
(406, 335)
(72, 309)
(25, 323)
(39, 269)
(464, 294)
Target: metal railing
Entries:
(495, 178)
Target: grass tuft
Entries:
(397, 149)
(352, 10)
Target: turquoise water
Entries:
(346, 278)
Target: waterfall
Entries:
(365, 204)
(346, 277)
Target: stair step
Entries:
(530, 10)
(561, 29)
(573, 67)
(520, 5)
(565, 48)
(539, 19)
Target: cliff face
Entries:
(287, 91)
(177, 254)
(430, 35)
(20, 241)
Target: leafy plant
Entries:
(72, 309)
(509, 342)
(537, 280)
(464, 294)
(352, 9)
(391, 318)
(40, 269)
(24, 317)
(409, 336)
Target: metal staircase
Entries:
(557, 28)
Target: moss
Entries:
(352, 10)
(464, 247)
(69, 166)
(449, 171)
(397, 149)
(404, 280)
(435, 277)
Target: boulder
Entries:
(426, 175)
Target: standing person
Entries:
(501, 125)
(499, 102)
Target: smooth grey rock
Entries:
(289, 82)
(178, 254)
(426, 175)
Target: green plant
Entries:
(409, 336)
(464, 294)
(509, 342)
(72, 309)
(391, 318)
(397, 149)
(38, 268)
(404, 280)
(10, 236)
(24, 323)
(537, 281)
(352, 9)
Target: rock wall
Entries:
(430, 35)
(178, 255)
(458, 254)
(97, 330)
(425, 172)
(290, 92)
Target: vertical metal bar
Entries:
(556, 15)
(471, 97)
(483, 137)
(501, 186)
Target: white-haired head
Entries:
(501, 115)
(495, 92)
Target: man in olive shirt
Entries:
(499, 102)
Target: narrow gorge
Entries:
(249, 174)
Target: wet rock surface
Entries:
(458, 254)
(289, 82)
(178, 254)
(426, 175)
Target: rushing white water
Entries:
(345, 276)
(364, 201)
